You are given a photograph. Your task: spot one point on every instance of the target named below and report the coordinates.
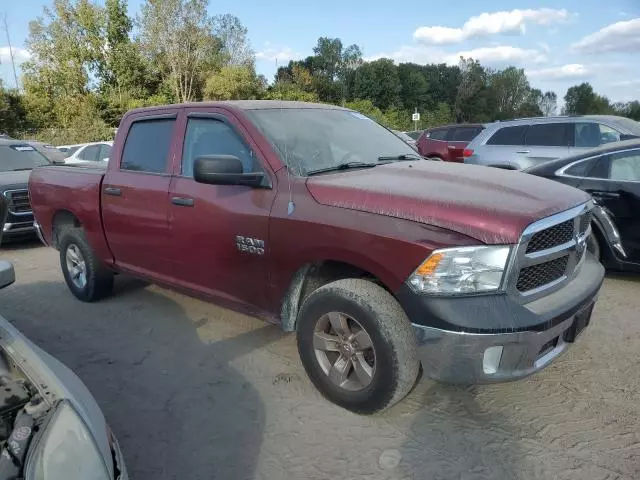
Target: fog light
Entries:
(491, 360)
(6, 227)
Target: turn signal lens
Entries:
(430, 264)
(467, 152)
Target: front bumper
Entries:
(18, 226)
(502, 349)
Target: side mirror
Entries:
(7, 274)
(224, 170)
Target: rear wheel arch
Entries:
(312, 276)
(62, 219)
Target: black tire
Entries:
(99, 279)
(396, 357)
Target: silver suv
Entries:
(519, 144)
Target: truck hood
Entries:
(491, 205)
(14, 178)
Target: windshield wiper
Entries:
(404, 156)
(343, 166)
(21, 169)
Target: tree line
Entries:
(91, 63)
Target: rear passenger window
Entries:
(581, 169)
(438, 134)
(508, 136)
(89, 153)
(548, 135)
(147, 146)
(465, 134)
(207, 136)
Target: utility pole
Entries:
(13, 62)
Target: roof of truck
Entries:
(247, 105)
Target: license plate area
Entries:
(580, 322)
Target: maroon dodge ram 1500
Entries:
(317, 217)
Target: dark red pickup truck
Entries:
(322, 220)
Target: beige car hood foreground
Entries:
(489, 204)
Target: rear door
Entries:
(135, 194)
(504, 148)
(220, 232)
(457, 139)
(435, 144)
(614, 183)
(547, 141)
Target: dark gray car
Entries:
(524, 143)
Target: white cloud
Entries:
(513, 22)
(571, 71)
(619, 37)
(19, 54)
(500, 55)
(493, 56)
(279, 53)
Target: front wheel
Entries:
(357, 345)
(87, 278)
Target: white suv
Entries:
(519, 144)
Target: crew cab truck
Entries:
(318, 218)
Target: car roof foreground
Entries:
(245, 105)
(553, 165)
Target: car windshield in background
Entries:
(20, 157)
(313, 139)
(631, 125)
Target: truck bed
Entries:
(54, 188)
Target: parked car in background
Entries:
(69, 150)
(91, 152)
(17, 159)
(447, 142)
(377, 259)
(520, 144)
(52, 427)
(611, 174)
(52, 153)
(406, 138)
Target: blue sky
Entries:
(559, 43)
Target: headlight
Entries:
(461, 270)
(67, 450)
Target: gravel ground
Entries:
(197, 392)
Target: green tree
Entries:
(414, 89)
(235, 46)
(177, 35)
(233, 82)
(511, 91)
(378, 81)
(475, 100)
(582, 100)
(549, 103)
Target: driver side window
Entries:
(207, 136)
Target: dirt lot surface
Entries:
(196, 392)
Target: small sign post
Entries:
(416, 118)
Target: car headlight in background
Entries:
(67, 450)
(461, 270)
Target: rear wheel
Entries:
(357, 345)
(87, 278)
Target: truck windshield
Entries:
(20, 157)
(313, 139)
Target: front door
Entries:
(135, 194)
(618, 190)
(220, 232)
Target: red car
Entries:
(319, 219)
(447, 142)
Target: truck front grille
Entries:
(541, 274)
(551, 237)
(549, 253)
(18, 201)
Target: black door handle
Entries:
(112, 191)
(598, 194)
(182, 201)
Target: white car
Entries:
(87, 152)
